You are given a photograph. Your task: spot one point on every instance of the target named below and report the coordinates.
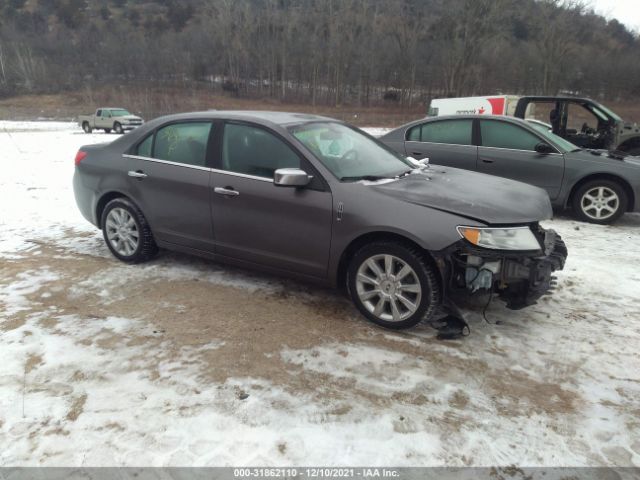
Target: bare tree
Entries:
(557, 38)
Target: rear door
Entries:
(508, 150)
(168, 178)
(444, 142)
(256, 221)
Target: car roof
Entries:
(504, 118)
(264, 118)
(399, 133)
(259, 116)
(562, 98)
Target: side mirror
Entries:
(291, 177)
(544, 148)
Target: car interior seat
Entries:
(236, 150)
(554, 119)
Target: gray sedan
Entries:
(313, 198)
(600, 186)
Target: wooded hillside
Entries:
(321, 52)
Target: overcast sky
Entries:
(626, 11)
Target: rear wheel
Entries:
(86, 127)
(126, 232)
(393, 285)
(117, 127)
(600, 201)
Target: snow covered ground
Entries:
(184, 362)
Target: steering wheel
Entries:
(350, 155)
(587, 130)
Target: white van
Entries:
(491, 105)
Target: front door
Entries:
(105, 119)
(256, 221)
(169, 180)
(508, 150)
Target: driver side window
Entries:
(497, 134)
(255, 151)
(579, 119)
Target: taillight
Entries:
(80, 156)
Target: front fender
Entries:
(430, 229)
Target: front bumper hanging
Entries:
(524, 281)
(518, 278)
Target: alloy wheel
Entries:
(388, 287)
(600, 203)
(122, 231)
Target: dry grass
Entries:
(153, 102)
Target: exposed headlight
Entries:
(515, 238)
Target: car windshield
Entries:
(350, 154)
(563, 145)
(608, 112)
(119, 112)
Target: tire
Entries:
(118, 213)
(367, 296)
(107, 130)
(600, 201)
(117, 128)
(86, 127)
(634, 152)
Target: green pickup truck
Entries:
(117, 119)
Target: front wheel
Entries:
(127, 232)
(393, 285)
(600, 201)
(86, 127)
(117, 127)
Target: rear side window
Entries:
(144, 147)
(414, 134)
(255, 151)
(183, 143)
(455, 132)
(506, 135)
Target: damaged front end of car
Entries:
(514, 262)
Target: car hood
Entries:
(488, 199)
(603, 156)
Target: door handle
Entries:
(230, 192)
(487, 160)
(137, 174)
(417, 154)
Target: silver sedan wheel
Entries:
(388, 288)
(122, 231)
(600, 203)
